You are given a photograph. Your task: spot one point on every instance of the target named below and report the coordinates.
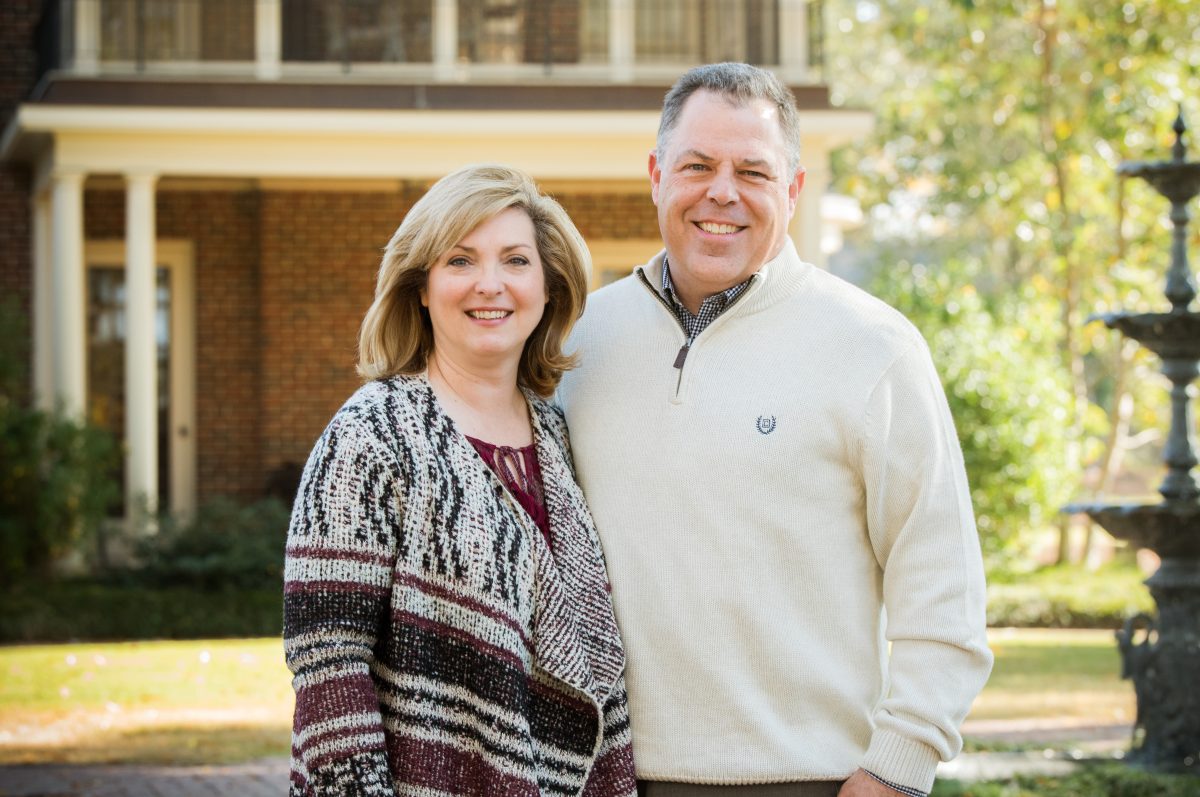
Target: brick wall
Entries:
(223, 228)
(612, 215)
(18, 64)
(282, 282)
(320, 256)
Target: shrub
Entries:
(1095, 780)
(226, 544)
(55, 484)
(1068, 597)
(75, 610)
(998, 361)
(218, 574)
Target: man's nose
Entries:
(722, 189)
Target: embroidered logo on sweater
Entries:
(766, 424)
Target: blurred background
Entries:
(195, 194)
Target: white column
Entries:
(67, 275)
(42, 306)
(141, 371)
(793, 41)
(621, 40)
(805, 228)
(268, 39)
(86, 39)
(445, 38)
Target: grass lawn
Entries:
(218, 701)
(205, 701)
(1055, 674)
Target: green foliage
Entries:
(999, 127)
(90, 610)
(1068, 597)
(55, 488)
(1005, 391)
(225, 544)
(1097, 780)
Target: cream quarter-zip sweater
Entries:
(759, 509)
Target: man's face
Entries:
(724, 194)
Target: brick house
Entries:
(195, 193)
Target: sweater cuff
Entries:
(898, 759)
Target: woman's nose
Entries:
(490, 281)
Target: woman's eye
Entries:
(457, 261)
(518, 260)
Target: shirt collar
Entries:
(711, 307)
(721, 300)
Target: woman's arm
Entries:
(340, 560)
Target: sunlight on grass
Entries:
(151, 702)
(221, 701)
(1061, 674)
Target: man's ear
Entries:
(655, 175)
(795, 187)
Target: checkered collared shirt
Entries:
(710, 308)
(693, 325)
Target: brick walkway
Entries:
(268, 778)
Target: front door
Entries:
(174, 336)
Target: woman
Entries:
(447, 614)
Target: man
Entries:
(777, 483)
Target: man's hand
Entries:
(863, 785)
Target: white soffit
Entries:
(341, 144)
(367, 144)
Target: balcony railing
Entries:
(442, 39)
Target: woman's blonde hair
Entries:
(396, 336)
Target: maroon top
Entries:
(517, 469)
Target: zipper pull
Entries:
(679, 358)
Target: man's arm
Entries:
(922, 531)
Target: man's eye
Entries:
(696, 167)
(754, 174)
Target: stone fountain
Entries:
(1161, 655)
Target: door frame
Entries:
(178, 257)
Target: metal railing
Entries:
(150, 35)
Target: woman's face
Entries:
(487, 293)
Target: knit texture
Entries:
(760, 508)
(438, 647)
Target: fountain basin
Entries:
(1171, 528)
(1169, 335)
(1175, 180)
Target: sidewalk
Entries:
(1066, 743)
(269, 777)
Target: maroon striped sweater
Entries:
(438, 647)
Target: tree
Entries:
(1009, 414)
(1000, 125)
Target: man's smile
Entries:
(715, 228)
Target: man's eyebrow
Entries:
(695, 154)
(698, 155)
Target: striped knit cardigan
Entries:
(439, 645)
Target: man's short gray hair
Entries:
(740, 84)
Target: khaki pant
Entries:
(810, 788)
